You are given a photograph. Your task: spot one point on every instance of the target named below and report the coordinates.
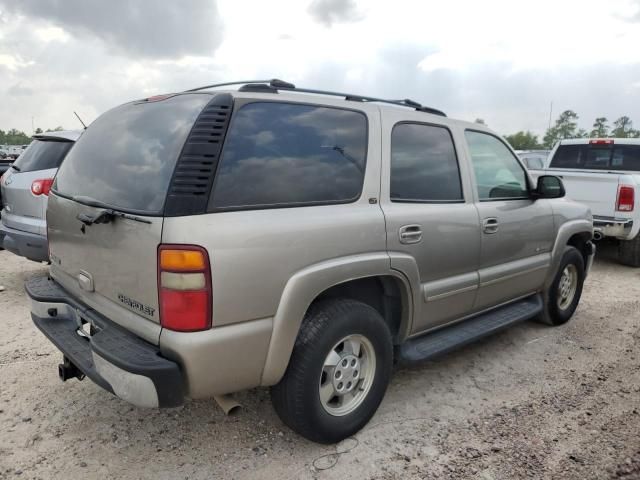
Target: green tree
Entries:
(38, 131)
(523, 140)
(600, 128)
(480, 121)
(565, 127)
(623, 128)
(57, 129)
(15, 137)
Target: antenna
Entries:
(85, 127)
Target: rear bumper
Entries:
(613, 227)
(112, 357)
(24, 244)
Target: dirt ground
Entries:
(531, 402)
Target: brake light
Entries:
(184, 288)
(42, 186)
(626, 198)
(600, 141)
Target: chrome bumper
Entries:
(611, 227)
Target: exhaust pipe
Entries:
(597, 235)
(228, 405)
(68, 370)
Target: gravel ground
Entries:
(531, 402)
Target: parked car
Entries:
(533, 159)
(25, 188)
(604, 173)
(212, 241)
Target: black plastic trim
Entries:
(193, 176)
(113, 343)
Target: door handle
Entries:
(410, 234)
(490, 225)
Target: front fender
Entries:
(304, 287)
(565, 232)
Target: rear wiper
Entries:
(105, 215)
(17, 169)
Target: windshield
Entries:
(126, 157)
(42, 155)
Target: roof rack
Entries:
(275, 84)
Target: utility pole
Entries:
(33, 130)
(550, 112)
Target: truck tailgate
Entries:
(596, 189)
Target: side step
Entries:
(446, 339)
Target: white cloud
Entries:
(500, 60)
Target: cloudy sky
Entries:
(503, 61)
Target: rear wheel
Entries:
(629, 252)
(338, 372)
(563, 296)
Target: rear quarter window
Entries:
(284, 154)
(42, 155)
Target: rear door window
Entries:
(42, 155)
(424, 166)
(283, 154)
(127, 156)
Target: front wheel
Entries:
(338, 372)
(563, 295)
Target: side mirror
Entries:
(550, 186)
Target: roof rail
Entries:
(277, 84)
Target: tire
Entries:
(558, 309)
(629, 252)
(297, 398)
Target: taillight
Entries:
(184, 288)
(42, 186)
(601, 141)
(626, 198)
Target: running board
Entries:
(446, 339)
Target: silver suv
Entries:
(25, 189)
(212, 241)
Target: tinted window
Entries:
(423, 164)
(601, 157)
(42, 155)
(626, 157)
(288, 154)
(127, 156)
(498, 173)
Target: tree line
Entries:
(566, 126)
(17, 137)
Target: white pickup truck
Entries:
(605, 175)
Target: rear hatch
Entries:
(124, 161)
(592, 171)
(23, 210)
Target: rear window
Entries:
(282, 154)
(42, 155)
(127, 156)
(597, 157)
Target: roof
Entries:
(585, 141)
(71, 135)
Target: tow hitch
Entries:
(68, 370)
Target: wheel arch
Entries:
(576, 233)
(349, 277)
